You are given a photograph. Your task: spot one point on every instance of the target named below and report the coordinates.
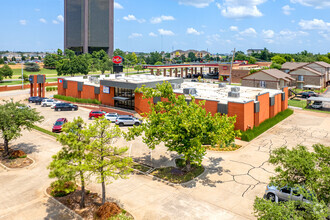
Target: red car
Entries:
(57, 127)
(96, 114)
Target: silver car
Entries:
(47, 102)
(126, 120)
(276, 194)
(111, 116)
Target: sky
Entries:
(218, 26)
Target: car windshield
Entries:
(112, 115)
(59, 123)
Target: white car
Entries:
(53, 105)
(317, 104)
(47, 102)
(111, 116)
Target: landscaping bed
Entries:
(231, 147)
(15, 159)
(178, 174)
(93, 206)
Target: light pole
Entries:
(22, 75)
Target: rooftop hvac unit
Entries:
(222, 85)
(234, 94)
(176, 85)
(189, 91)
(235, 89)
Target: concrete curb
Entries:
(13, 169)
(71, 212)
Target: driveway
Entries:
(226, 191)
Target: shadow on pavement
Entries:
(56, 212)
(27, 148)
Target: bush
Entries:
(48, 89)
(60, 188)
(264, 126)
(32, 67)
(72, 99)
(25, 77)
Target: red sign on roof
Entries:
(117, 59)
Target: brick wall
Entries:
(256, 83)
(210, 106)
(310, 80)
(238, 74)
(244, 113)
(60, 90)
(88, 92)
(18, 87)
(107, 99)
(278, 104)
(72, 89)
(285, 102)
(142, 105)
(264, 107)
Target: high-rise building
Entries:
(88, 25)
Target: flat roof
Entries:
(322, 99)
(212, 92)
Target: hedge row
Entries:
(72, 99)
(44, 131)
(250, 134)
(48, 89)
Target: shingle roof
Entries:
(293, 65)
(278, 74)
(313, 71)
(324, 64)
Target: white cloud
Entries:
(133, 18)
(60, 18)
(55, 22)
(22, 22)
(135, 35)
(241, 9)
(249, 32)
(315, 24)
(268, 34)
(318, 4)
(287, 9)
(42, 20)
(152, 34)
(211, 39)
(325, 35)
(193, 31)
(270, 41)
(290, 35)
(118, 6)
(165, 32)
(233, 28)
(162, 18)
(196, 3)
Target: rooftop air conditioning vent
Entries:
(189, 91)
(234, 94)
(176, 85)
(235, 89)
(222, 85)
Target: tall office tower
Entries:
(88, 25)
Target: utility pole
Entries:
(231, 66)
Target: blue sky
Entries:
(149, 25)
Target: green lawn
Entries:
(297, 103)
(317, 90)
(8, 83)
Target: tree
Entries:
(70, 54)
(154, 58)
(106, 64)
(14, 117)
(59, 52)
(138, 68)
(2, 61)
(158, 63)
(5, 58)
(31, 67)
(106, 160)
(6, 71)
(134, 58)
(25, 77)
(39, 57)
(192, 56)
(252, 60)
(275, 66)
(72, 161)
(63, 67)
(182, 127)
(50, 61)
(23, 58)
(13, 59)
(119, 52)
(278, 59)
(303, 169)
(32, 58)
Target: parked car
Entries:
(47, 102)
(125, 120)
(58, 125)
(317, 104)
(33, 99)
(276, 194)
(111, 116)
(39, 100)
(305, 95)
(65, 107)
(96, 114)
(24, 107)
(54, 103)
(312, 93)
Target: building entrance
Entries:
(124, 98)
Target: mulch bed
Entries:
(93, 205)
(15, 159)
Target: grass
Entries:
(72, 99)
(166, 173)
(44, 131)
(297, 103)
(307, 90)
(9, 83)
(264, 126)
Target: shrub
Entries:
(264, 126)
(25, 77)
(32, 67)
(48, 89)
(72, 99)
(60, 188)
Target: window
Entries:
(262, 84)
(286, 190)
(301, 78)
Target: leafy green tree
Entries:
(50, 61)
(5, 58)
(287, 57)
(59, 52)
(252, 60)
(32, 67)
(278, 59)
(192, 56)
(106, 64)
(134, 60)
(23, 58)
(13, 59)
(309, 172)
(25, 77)
(107, 161)
(154, 58)
(275, 66)
(70, 54)
(182, 127)
(32, 58)
(183, 58)
(63, 67)
(72, 162)
(6, 71)
(39, 57)
(158, 63)
(14, 117)
(138, 68)
(79, 64)
(119, 52)
(2, 61)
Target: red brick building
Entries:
(251, 105)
